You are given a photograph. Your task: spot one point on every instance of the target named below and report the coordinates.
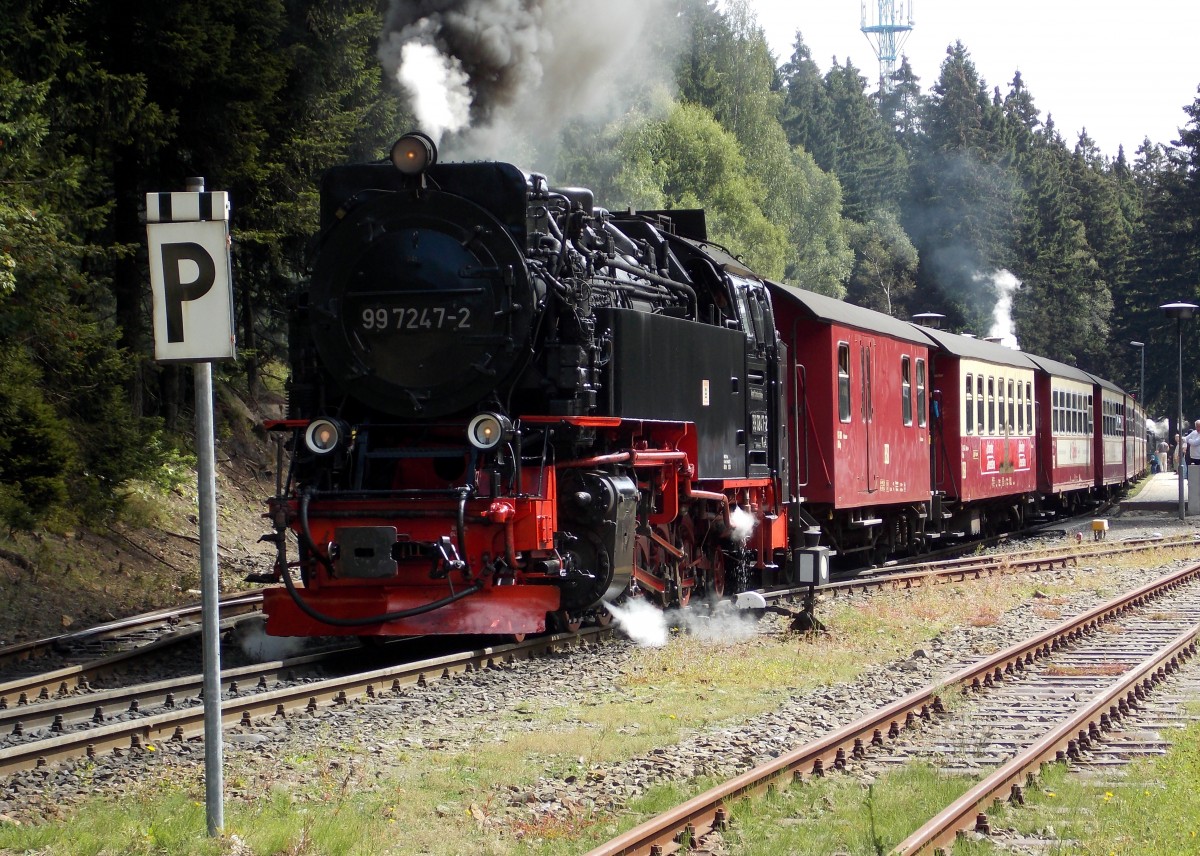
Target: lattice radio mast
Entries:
(886, 30)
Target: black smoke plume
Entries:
(496, 77)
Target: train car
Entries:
(1109, 441)
(507, 406)
(1067, 472)
(1137, 450)
(984, 453)
(857, 386)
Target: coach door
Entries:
(868, 464)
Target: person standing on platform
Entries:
(1192, 443)
(1176, 453)
(1161, 453)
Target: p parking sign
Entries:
(190, 276)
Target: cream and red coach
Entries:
(984, 454)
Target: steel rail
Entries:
(1063, 741)
(1048, 552)
(668, 832)
(69, 708)
(959, 571)
(189, 722)
(45, 685)
(235, 604)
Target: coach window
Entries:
(844, 381)
(991, 408)
(979, 403)
(1029, 407)
(1020, 408)
(906, 389)
(921, 418)
(1011, 405)
(1089, 415)
(970, 399)
(1054, 411)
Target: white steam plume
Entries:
(643, 622)
(250, 635)
(438, 87)
(720, 624)
(520, 69)
(742, 523)
(1005, 286)
(649, 627)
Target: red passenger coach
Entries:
(1067, 472)
(857, 387)
(984, 456)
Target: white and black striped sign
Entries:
(190, 276)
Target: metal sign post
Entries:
(192, 289)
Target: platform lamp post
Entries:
(1141, 346)
(1180, 311)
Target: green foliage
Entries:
(101, 102)
(899, 199)
(37, 450)
(688, 160)
(884, 276)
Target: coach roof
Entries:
(977, 349)
(833, 311)
(1057, 369)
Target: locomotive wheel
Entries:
(716, 572)
(646, 560)
(564, 622)
(686, 576)
(643, 564)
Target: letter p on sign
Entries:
(190, 279)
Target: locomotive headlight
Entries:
(414, 153)
(324, 435)
(488, 430)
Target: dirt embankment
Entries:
(55, 582)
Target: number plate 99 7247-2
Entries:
(381, 319)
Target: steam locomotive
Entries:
(508, 405)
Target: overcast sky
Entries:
(1125, 71)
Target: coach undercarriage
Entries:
(879, 533)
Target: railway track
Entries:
(43, 718)
(1141, 670)
(251, 698)
(257, 700)
(124, 636)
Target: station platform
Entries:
(1160, 492)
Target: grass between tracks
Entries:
(1154, 810)
(377, 795)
